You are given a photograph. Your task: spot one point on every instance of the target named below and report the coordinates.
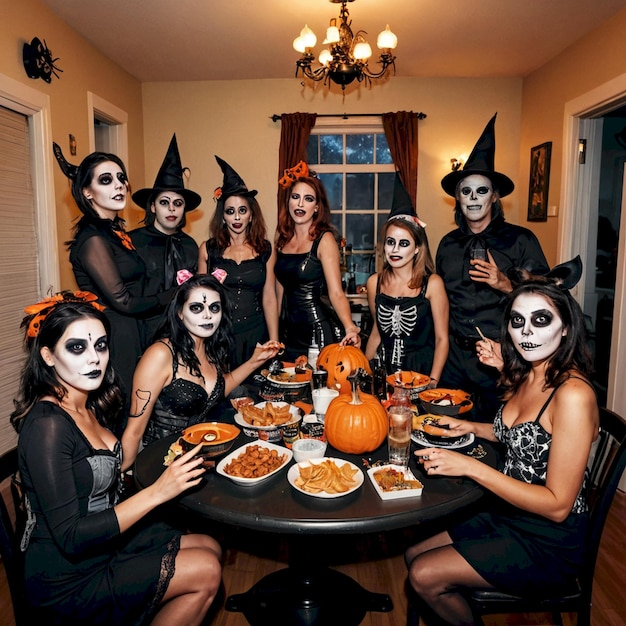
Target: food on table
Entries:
(237, 403)
(326, 477)
(268, 415)
(255, 461)
(391, 479)
(408, 379)
(174, 451)
(446, 401)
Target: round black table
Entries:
(307, 592)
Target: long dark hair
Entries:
(84, 178)
(573, 352)
(321, 220)
(39, 379)
(256, 235)
(218, 347)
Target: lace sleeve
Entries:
(98, 262)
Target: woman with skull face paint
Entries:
(186, 372)
(531, 541)
(103, 257)
(238, 245)
(407, 300)
(91, 557)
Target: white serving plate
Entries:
(400, 493)
(418, 437)
(288, 454)
(239, 419)
(294, 472)
(283, 383)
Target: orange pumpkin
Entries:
(355, 423)
(339, 361)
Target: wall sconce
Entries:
(456, 164)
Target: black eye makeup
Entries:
(391, 242)
(538, 319)
(481, 191)
(78, 346)
(107, 178)
(197, 308)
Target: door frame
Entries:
(579, 193)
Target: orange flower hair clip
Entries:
(37, 313)
(217, 194)
(292, 174)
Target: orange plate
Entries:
(409, 379)
(224, 432)
(456, 395)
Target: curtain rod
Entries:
(345, 116)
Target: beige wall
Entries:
(232, 119)
(591, 62)
(84, 70)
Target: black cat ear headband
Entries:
(565, 275)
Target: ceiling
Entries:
(188, 40)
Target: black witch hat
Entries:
(401, 205)
(169, 178)
(481, 161)
(233, 184)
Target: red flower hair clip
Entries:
(292, 174)
(41, 310)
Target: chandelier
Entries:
(346, 57)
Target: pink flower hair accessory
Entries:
(220, 274)
(182, 276)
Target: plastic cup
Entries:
(321, 399)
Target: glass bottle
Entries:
(400, 397)
(314, 351)
(379, 379)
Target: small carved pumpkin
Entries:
(339, 361)
(355, 423)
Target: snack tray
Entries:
(253, 481)
(400, 493)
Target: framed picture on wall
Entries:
(539, 182)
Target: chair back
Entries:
(11, 525)
(607, 467)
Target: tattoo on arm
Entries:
(143, 396)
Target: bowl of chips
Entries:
(408, 379)
(325, 477)
(445, 401)
(265, 420)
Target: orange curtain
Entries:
(401, 133)
(294, 135)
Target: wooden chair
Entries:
(11, 525)
(606, 469)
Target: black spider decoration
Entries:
(38, 61)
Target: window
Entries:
(355, 165)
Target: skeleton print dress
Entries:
(407, 334)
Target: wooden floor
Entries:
(382, 570)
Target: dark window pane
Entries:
(359, 192)
(360, 231)
(312, 150)
(382, 149)
(336, 221)
(359, 148)
(334, 188)
(385, 190)
(331, 149)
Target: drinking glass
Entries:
(399, 437)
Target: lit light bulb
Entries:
(362, 51)
(332, 35)
(298, 45)
(308, 36)
(387, 39)
(325, 57)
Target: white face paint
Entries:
(237, 214)
(399, 247)
(169, 209)
(81, 355)
(108, 189)
(535, 327)
(302, 203)
(476, 197)
(202, 313)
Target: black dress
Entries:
(163, 255)
(245, 281)
(79, 568)
(181, 404)
(304, 314)
(107, 265)
(516, 551)
(407, 333)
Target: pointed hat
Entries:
(401, 205)
(169, 178)
(233, 184)
(481, 161)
